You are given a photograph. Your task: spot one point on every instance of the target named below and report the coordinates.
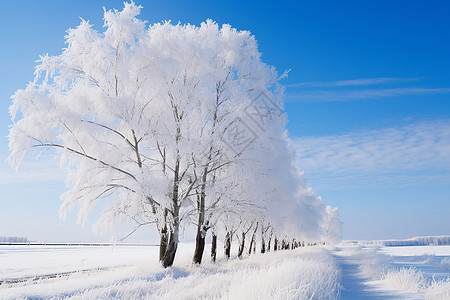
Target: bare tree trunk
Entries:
(251, 245)
(227, 245)
(202, 228)
(241, 245)
(214, 247)
(285, 245)
(263, 242)
(164, 238)
(252, 240)
(171, 249)
(275, 244)
(268, 243)
(172, 245)
(163, 243)
(199, 245)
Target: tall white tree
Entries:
(332, 226)
(173, 124)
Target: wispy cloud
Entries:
(415, 154)
(31, 171)
(351, 95)
(353, 82)
(357, 89)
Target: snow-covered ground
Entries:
(350, 270)
(401, 272)
(33, 261)
(304, 273)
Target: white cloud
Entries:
(31, 170)
(352, 95)
(353, 82)
(415, 154)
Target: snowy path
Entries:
(356, 286)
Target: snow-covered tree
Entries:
(173, 125)
(332, 226)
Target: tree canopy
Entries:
(175, 125)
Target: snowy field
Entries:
(351, 270)
(400, 272)
(431, 261)
(303, 273)
(33, 261)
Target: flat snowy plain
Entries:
(350, 270)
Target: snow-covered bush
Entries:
(438, 290)
(380, 267)
(373, 264)
(406, 279)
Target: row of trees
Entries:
(174, 125)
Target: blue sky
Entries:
(368, 100)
